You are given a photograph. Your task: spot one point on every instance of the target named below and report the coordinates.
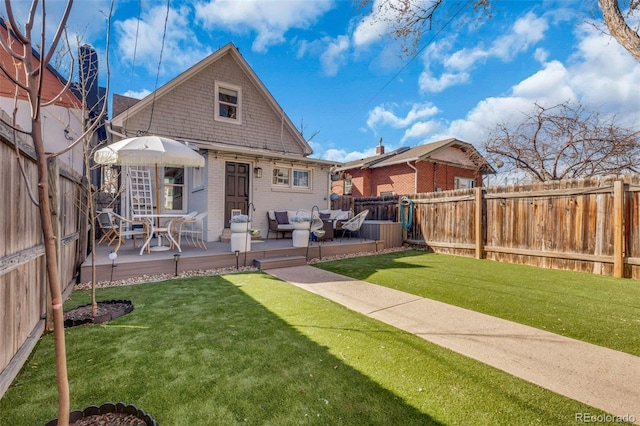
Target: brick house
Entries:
(61, 116)
(438, 166)
(253, 152)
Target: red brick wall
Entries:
(400, 179)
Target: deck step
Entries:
(279, 262)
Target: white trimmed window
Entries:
(228, 103)
(174, 185)
(109, 180)
(281, 177)
(197, 178)
(285, 177)
(464, 183)
(348, 185)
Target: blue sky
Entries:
(335, 71)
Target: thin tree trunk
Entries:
(53, 273)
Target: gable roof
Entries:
(229, 49)
(53, 84)
(426, 152)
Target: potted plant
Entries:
(301, 221)
(239, 223)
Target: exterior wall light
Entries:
(257, 172)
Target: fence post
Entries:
(618, 229)
(479, 224)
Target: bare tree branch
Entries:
(565, 141)
(411, 19)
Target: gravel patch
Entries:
(219, 271)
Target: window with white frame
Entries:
(464, 183)
(174, 189)
(109, 180)
(228, 103)
(348, 185)
(281, 177)
(290, 177)
(197, 178)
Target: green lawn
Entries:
(250, 349)
(592, 308)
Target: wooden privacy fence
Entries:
(589, 225)
(24, 290)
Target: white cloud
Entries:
(601, 75)
(604, 74)
(144, 40)
(335, 55)
(374, 26)
(380, 115)
(342, 155)
(420, 130)
(137, 94)
(428, 83)
(524, 33)
(551, 83)
(269, 20)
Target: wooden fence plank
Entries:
(590, 225)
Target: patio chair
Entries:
(316, 229)
(128, 228)
(193, 230)
(354, 224)
(107, 227)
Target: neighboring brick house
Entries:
(61, 117)
(437, 166)
(253, 152)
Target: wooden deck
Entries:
(218, 255)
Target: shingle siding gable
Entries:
(187, 111)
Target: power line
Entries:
(135, 51)
(155, 90)
(437, 33)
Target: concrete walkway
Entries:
(600, 377)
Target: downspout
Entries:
(113, 132)
(415, 178)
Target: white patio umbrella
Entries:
(149, 151)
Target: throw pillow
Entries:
(282, 218)
(325, 216)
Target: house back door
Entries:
(236, 189)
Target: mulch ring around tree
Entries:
(107, 311)
(109, 414)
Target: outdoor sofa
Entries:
(280, 222)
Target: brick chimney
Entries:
(380, 148)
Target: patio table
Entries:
(154, 222)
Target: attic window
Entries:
(228, 103)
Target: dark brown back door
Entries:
(236, 189)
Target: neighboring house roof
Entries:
(432, 152)
(120, 103)
(54, 81)
(119, 120)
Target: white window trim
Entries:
(458, 179)
(184, 187)
(290, 186)
(197, 178)
(216, 113)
